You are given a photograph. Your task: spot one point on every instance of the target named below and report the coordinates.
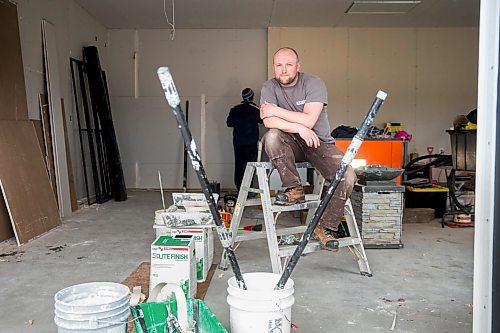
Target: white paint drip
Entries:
(196, 165)
(382, 95)
(192, 146)
(195, 158)
(86, 243)
(168, 87)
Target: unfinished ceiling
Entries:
(260, 14)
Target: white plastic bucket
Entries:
(95, 307)
(260, 308)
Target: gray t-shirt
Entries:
(309, 88)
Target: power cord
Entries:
(172, 25)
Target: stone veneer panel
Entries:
(379, 214)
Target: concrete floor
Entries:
(426, 286)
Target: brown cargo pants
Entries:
(285, 149)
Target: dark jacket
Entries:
(244, 118)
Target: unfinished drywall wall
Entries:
(217, 63)
(430, 74)
(74, 28)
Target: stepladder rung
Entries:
(251, 235)
(288, 250)
(348, 241)
(313, 245)
(311, 201)
(269, 165)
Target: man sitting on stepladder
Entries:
(293, 107)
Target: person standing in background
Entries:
(244, 118)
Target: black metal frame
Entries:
(101, 106)
(93, 148)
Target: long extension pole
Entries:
(346, 160)
(185, 171)
(174, 101)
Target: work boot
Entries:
(327, 238)
(290, 196)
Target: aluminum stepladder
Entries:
(271, 213)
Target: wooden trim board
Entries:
(72, 190)
(47, 152)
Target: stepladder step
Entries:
(250, 235)
(313, 245)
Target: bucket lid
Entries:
(87, 296)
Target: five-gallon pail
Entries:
(260, 308)
(95, 307)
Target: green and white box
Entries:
(173, 260)
(203, 244)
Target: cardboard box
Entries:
(393, 127)
(203, 247)
(161, 230)
(418, 215)
(173, 260)
(188, 200)
(181, 218)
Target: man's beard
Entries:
(286, 80)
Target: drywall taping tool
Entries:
(173, 100)
(346, 160)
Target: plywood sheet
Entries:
(6, 230)
(24, 181)
(12, 89)
(39, 131)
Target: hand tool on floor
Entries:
(346, 160)
(257, 227)
(173, 99)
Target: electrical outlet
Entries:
(441, 151)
